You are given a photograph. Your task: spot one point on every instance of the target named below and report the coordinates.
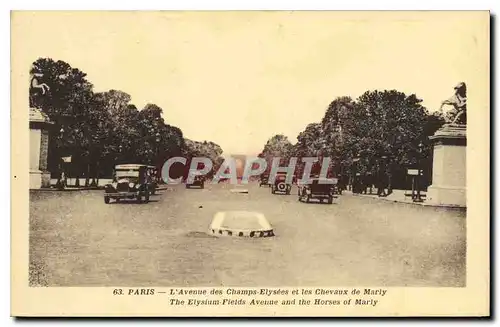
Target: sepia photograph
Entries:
(179, 153)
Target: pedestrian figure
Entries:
(64, 181)
(365, 184)
(381, 185)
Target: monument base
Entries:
(447, 195)
(449, 166)
(39, 179)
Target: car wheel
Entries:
(106, 199)
(117, 199)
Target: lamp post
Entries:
(120, 149)
(59, 159)
(418, 198)
(355, 179)
(157, 139)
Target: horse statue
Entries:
(458, 101)
(36, 85)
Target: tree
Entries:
(336, 121)
(380, 128)
(310, 142)
(387, 123)
(102, 129)
(68, 103)
(277, 146)
(205, 149)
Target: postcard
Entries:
(250, 163)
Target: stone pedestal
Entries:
(449, 167)
(39, 144)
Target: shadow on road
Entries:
(132, 202)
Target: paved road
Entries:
(77, 240)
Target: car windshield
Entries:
(132, 175)
(321, 182)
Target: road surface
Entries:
(78, 240)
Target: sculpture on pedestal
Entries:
(36, 85)
(449, 155)
(39, 134)
(459, 102)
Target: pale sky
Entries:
(237, 78)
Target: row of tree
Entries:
(101, 129)
(380, 130)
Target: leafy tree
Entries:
(102, 129)
(206, 149)
(387, 123)
(379, 130)
(277, 146)
(310, 142)
(68, 103)
(336, 121)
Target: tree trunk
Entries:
(87, 175)
(389, 179)
(95, 181)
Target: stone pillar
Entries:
(449, 166)
(39, 144)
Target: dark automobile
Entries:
(281, 185)
(317, 190)
(264, 179)
(130, 181)
(197, 181)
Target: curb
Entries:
(66, 189)
(243, 233)
(423, 204)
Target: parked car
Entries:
(130, 181)
(198, 180)
(317, 190)
(281, 185)
(264, 179)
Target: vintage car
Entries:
(280, 184)
(198, 180)
(264, 179)
(130, 181)
(317, 190)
